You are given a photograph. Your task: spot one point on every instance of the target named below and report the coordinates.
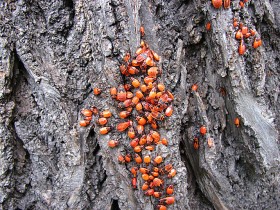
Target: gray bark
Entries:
(54, 52)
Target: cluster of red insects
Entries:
(219, 3)
(143, 98)
(242, 31)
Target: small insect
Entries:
(134, 142)
(253, 32)
(140, 129)
(161, 207)
(169, 190)
(124, 70)
(148, 80)
(84, 123)
(141, 120)
(138, 149)
(113, 143)
(195, 144)
(142, 57)
(138, 159)
(155, 135)
(164, 141)
(149, 61)
(153, 71)
(150, 148)
(96, 91)
(153, 93)
(124, 114)
(239, 35)
(86, 112)
(208, 26)
(155, 174)
(131, 133)
(134, 101)
(168, 167)
(123, 126)
(104, 130)
(132, 70)
(149, 117)
(155, 55)
(139, 107)
(235, 23)
(102, 121)
(127, 103)
(244, 30)
(106, 114)
(149, 139)
(134, 182)
(237, 122)
(139, 94)
(145, 177)
(135, 82)
(113, 92)
(167, 200)
(169, 111)
(129, 95)
(127, 158)
(158, 160)
(121, 159)
(161, 87)
(203, 130)
(145, 186)
(240, 25)
(139, 51)
(241, 48)
(217, 3)
(150, 192)
(170, 96)
(144, 170)
(172, 173)
(157, 182)
(147, 159)
(143, 88)
(134, 170)
(143, 44)
(157, 194)
(135, 63)
(247, 35)
(88, 118)
(143, 140)
(194, 87)
(127, 87)
(257, 43)
(121, 95)
(226, 4)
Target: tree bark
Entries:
(53, 53)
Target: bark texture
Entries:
(54, 52)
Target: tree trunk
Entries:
(53, 53)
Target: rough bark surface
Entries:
(54, 52)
